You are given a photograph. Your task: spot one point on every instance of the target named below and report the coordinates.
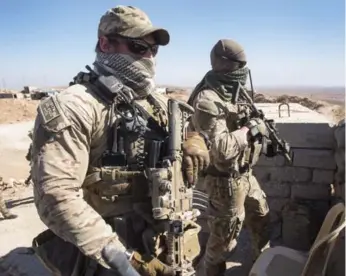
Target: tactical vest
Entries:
(235, 115)
(137, 137)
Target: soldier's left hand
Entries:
(196, 156)
(150, 266)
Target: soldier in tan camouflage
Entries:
(3, 209)
(86, 129)
(232, 189)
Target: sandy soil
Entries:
(17, 110)
(14, 144)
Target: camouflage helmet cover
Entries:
(227, 52)
(130, 22)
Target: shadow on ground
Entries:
(18, 202)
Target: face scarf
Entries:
(135, 73)
(221, 83)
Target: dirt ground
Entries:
(17, 110)
(13, 148)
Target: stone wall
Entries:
(339, 134)
(299, 195)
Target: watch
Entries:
(129, 254)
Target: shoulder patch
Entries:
(210, 107)
(49, 110)
(52, 116)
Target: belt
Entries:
(213, 171)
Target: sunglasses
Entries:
(138, 46)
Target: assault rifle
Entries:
(172, 197)
(274, 144)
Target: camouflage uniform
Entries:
(3, 209)
(232, 189)
(87, 206)
(28, 158)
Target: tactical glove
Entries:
(196, 156)
(150, 266)
(256, 127)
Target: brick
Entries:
(275, 207)
(262, 173)
(339, 157)
(290, 174)
(312, 191)
(307, 135)
(339, 134)
(323, 176)
(276, 189)
(277, 161)
(282, 174)
(276, 204)
(320, 159)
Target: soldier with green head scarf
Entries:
(232, 189)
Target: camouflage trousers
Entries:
(231, 202)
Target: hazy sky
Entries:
(288, 42)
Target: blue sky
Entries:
(288, 42)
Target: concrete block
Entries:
(276, 204)
(323, 176)
(321, 159)
(277, 161)
(339, 134)
(290, 174)
(307, 135)
(339, 157)
(276, 189)
(312, 191)
(303, 128)
(282, 174)
(262, 174)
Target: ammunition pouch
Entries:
(60, 257)
(252, 154)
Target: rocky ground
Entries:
(16, 120)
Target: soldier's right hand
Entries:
(150, 266)
(256, 127)
(196, 156)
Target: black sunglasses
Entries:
(137, 46)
